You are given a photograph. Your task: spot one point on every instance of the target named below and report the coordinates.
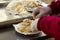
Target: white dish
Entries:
(17, 9)
(16, 29)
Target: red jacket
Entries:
(51, 24)
(55, 6)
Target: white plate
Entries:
(16, 29)
(12, 12)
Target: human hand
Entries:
(41, 11)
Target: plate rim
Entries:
(16, 29)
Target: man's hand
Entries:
(41, 11)
(36, 12)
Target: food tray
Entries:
(9, 19)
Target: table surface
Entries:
(11, 34)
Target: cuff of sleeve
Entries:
(36, 22)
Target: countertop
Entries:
(11, 34)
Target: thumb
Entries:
(38, 16)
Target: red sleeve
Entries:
(55, 6)
(50, 25)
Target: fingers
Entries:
(36, 12)
(38, 16)
(41, 11)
